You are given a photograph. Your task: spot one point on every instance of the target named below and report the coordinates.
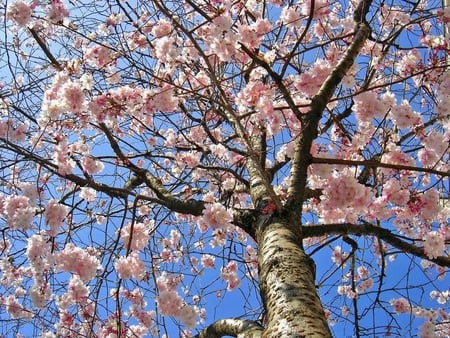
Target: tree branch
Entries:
(45, 49)
(188, 206)
(302, 159)
(368, 229)
(232, 327)
(376, 164)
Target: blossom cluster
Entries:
(170, 303)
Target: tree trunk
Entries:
(287, 277)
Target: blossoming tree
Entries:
(162, 160)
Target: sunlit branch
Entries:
(376, 164)
(368, 229)
(45, 49)
(189, 206)
(302, 156)
(232, 327)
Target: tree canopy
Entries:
(214, 168)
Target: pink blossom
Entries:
(165, 99)
(57, 12)
(344, 198)
(368, 106)
(404, 117)
(427, 330)
(433, 244)
(162, 28)
(37, 248)
(79, 261)
(290, 16)
(430, 206)
(61, 156)
(32, 191)
(20, 12)
(338, 256)
(73, 96)
(190, 159)
(91, 165)
(321, 8)
(135, 236)
(410, 63)
(98, 56)
(208, 261)
(396, 156)
(362, 272)
(401, 305)
(262, 26)
(394, 193)
(188, 316)
(55, 213)
(19, 213)
(15, 309)
(130, 266)
(88, 194)
(78, 291)
(345, 310)
(144, 317)
(169, 303)
(364, 285)
(166, 49)
(229, 274)
(168, 281)
(40, 294)
(347, 290)
(216, 216)
(442, 297)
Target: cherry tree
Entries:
(211, 168)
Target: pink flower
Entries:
(362, 272)
(427, 330)
(433, 244)
(229, 274)
(290, 17)
(20, 12)
(135, 236)
(78, 291)
(369, 105)
(19, 212)
(91, 165)
(61, 156)
(338, 256)
(169, 303)
(401, 305)
(15, 309)
(79, 261)
(55, 213)
(216, 216)
(73, 96)
(403, 116)
(166, 49)
(162, 28)
(40, 294)
(168, 281)
(188, 316)
(130, 267)
(208, 261)
(98, 56)
(37, 248)
(88, 194)
(57, 12)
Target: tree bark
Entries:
(287, 282)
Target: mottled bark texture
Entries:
(287, 283)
